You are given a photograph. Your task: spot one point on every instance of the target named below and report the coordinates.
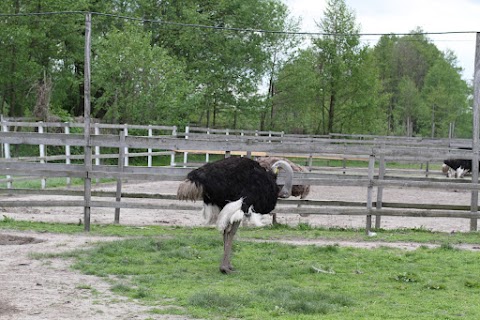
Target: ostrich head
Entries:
(286, 190)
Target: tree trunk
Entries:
(14, 110)
(409, 127)
(271, 93)
(433, 121)
(235, 115)
(208, 116)
(263, 116)
(214, 121)
(331, 111)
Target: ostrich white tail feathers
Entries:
(231, 213)
(210, 213)
(287, 187)
(188, 190)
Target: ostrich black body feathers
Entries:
(233, 178)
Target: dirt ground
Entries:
(34, 289)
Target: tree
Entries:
(408, 107)
(296, 95)
(137, 82)
(413, 65)
(226, 66)
(383, 55)
(364, 100)
(280, 51)
(340, 63)
(445, 94)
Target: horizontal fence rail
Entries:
(123, 142)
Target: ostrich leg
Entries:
(228, 234)
(274, 219)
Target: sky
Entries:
(395, 16)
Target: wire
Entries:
(250, 30)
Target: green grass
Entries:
(302, 231)
(36, 183)
(280, 281)
(176, 271)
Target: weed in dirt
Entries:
(83, 286)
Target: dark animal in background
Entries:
(301, 191)
(231, 189)
(457, 167)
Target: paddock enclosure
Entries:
(383, 165)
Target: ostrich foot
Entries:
(226, 269)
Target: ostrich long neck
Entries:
(287, 187)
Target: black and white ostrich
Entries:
(234, 188)
(301, 191)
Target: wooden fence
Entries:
(152, 141)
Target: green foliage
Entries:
(158, 70)
(424, 86)
(226, 67)
(332, 86)
(139, 83)
(408, 106)
(295, 104)
(445, 96)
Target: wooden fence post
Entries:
(2, 144)
(149, 157)
(381, 176)
(96, 131)
(125, 126)
(68, 153)
(371, 170)
(88, 146)
(172, 156)
(42, 154)
(185, 154)
(6, 149)
(121, 162)
(475, 140)
(207, 156)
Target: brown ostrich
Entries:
(297, 190)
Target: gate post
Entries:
(371, 171)
(475, 140)
(87, 136)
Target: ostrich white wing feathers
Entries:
(232, 212)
